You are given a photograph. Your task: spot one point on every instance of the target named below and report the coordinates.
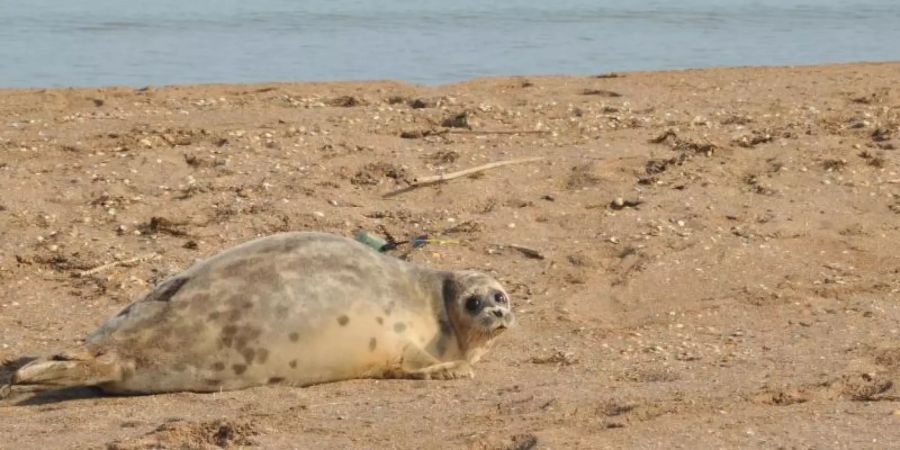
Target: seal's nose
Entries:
(498, 313)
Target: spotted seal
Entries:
(296, 308)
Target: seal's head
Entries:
(478, 306)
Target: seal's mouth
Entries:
(508, 322)
(500, 324)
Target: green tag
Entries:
(372, 240)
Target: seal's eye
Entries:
(500, 298)
(473, 304)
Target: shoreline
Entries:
(452, 83)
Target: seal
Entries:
(297, 308)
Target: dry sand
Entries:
(743, 291)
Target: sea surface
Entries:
(53, 43)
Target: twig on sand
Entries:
(527, 251)
(418, 134)
(107, 266)
(498, 131)
(435, 179)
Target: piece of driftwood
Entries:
(435, 179)
(527, 251)
(418, 134)
(107, 266)
(498, 131)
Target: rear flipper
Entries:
(79, 367)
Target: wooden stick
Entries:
(107, 266)
(418, 134)
(499, 131)
(527, 251)
(435, 179)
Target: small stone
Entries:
(333, 202)
(511, 225)
(614, 240)
(318, 214)
(619, 202)
(680, 223)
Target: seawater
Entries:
(52, 43)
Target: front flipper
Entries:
(418, 364)
(443, 371)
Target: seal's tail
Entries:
(72, 368)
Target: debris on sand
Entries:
(559, 357)
(347, 101)
(459, 120)
(601, 93)
(670, 137)
(527, 251)
(107, 266)
(436, 179)
(621, 203)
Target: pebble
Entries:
(318, 214)
(511, 225)
(619, 202)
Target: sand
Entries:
(716, 253)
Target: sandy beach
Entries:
(703, 258)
